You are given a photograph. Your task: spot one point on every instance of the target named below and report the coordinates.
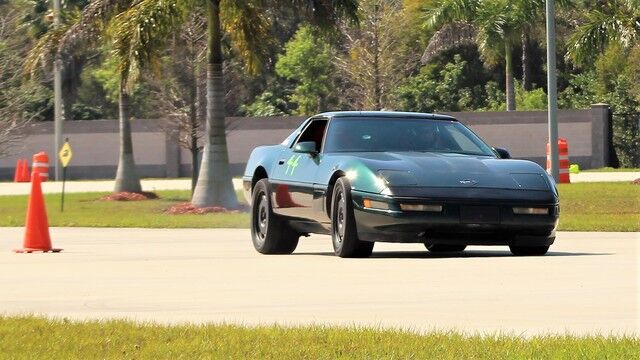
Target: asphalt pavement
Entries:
(587, 284)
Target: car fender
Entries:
(360, 176)
(264, 157)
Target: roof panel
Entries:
(387, 114)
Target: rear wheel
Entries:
(441, 248)
(529, 250)
(269, 233)
(344, 235)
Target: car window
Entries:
(402, 134)
(462, 142)
(314, 132)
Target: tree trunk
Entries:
(526, 71)
(214, 186)
(194, 168)
(193, 120)
(126, 177)
(510, 88)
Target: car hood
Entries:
(454, 170)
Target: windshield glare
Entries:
(402, 134)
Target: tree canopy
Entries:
(283, 57)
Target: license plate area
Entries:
(471, 214)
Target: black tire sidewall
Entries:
(337, 246)
(279, 237)
(350, 245)
(260, 188)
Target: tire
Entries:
(269, 233)
(529, 250)
(344, 235)
(442, 248)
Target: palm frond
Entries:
(446, 11)
(611, 24)
(249, 28)
(634, 4)
(44, 51)
(89, 28)
(140, 33)
(449, 37)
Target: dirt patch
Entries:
(188, 208)
(636, 181)
(130, 196)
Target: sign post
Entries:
(65, 156)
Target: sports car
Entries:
(364, 177)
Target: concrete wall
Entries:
(95, 143)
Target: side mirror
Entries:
(502, 153)
(306, 147)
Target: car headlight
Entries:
(397, 178)
(530, 181)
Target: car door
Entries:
(293, 178)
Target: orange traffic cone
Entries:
(24, 172)
(36, 235)
(16, 176)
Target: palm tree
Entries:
(247, 27)
(532, 12)
(214, 186)
(608, 22)
(89, 29)
(139, 35)
(246, 24)
(496, 26)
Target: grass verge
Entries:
(610, 169)
(36, 338)
(613, 206)
(85, 209)
(583, 207)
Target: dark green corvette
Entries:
(364, 177)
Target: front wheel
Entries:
(344, 235)
(269, 233)
(529, 250)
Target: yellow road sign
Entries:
(65, 154)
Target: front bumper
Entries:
(450, 227)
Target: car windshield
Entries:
(402, 134)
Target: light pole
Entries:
(552, 90)
(58, 111)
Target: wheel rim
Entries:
(340, 217)
(261, 220)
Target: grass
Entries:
(610, 169)
(84, 209)
(611, 206)
(583, 207)
(36, 338)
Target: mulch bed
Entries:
(130, 196)
(187, 208)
